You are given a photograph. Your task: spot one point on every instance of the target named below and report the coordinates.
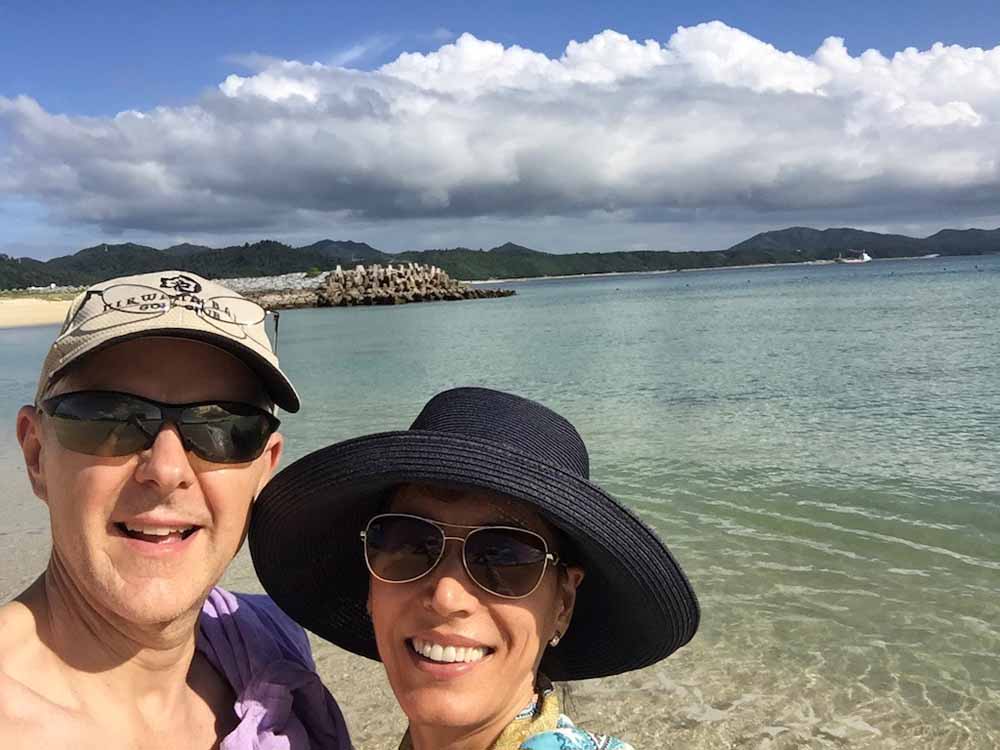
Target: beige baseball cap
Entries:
(175, 304)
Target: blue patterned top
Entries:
(542, 726)
(566, 736)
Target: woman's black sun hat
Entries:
(634, 607)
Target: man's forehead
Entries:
(163, 368)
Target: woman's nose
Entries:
(452, 593)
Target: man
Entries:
(151, 434)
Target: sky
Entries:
(563, 126)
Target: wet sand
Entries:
(680, 703)
(694, 699)
(704, 697)
(31, 311)
(645, 708)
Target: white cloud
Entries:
(712, 122)
(373, 45)
(716, 53)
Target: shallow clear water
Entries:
(817, 444)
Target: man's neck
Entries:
(106, 659)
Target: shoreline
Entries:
(36, 310)
(693, 270)
(23, 312)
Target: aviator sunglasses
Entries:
(110, 423)
(505, 561)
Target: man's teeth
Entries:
(158, 531)
(448, 654)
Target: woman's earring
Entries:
(554, 641)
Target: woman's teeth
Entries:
(448, 654)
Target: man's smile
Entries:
(156, 534)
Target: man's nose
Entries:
(165, 464)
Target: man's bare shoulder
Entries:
(18, 634)
(27, 717)
(27, 714)
(20, 642)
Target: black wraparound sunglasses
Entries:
(506, 561)
(111, 423)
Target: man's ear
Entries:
(30, 438)
(270, 457)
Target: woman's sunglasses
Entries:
(504, 560)
(109, 423)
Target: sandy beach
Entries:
(31, 311)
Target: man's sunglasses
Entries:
(506, 561)
(109, 423)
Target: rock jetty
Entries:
(391, 284)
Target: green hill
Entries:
(185, 249)
(18, 273)
(93, 264)
(964, 241)
(815, 244)
(347, 252)
(270, 258)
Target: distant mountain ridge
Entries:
(185, 249)
(346, 251)
(945, 242)
(270, 258)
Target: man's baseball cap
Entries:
(174, 304)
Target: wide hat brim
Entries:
(634, 607)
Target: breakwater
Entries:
(390, 284)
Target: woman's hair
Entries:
(565, 547)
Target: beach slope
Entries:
(31, 311)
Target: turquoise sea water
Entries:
(817, 444)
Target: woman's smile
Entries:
(447, 653)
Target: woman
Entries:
(475, 558)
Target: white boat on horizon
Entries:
(863, 257)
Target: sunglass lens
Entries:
(401, 548)
(225, 433)
(505, 561)
(103, 424)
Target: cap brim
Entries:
(634, 607)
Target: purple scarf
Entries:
(280, 701)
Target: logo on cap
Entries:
(183, 284)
